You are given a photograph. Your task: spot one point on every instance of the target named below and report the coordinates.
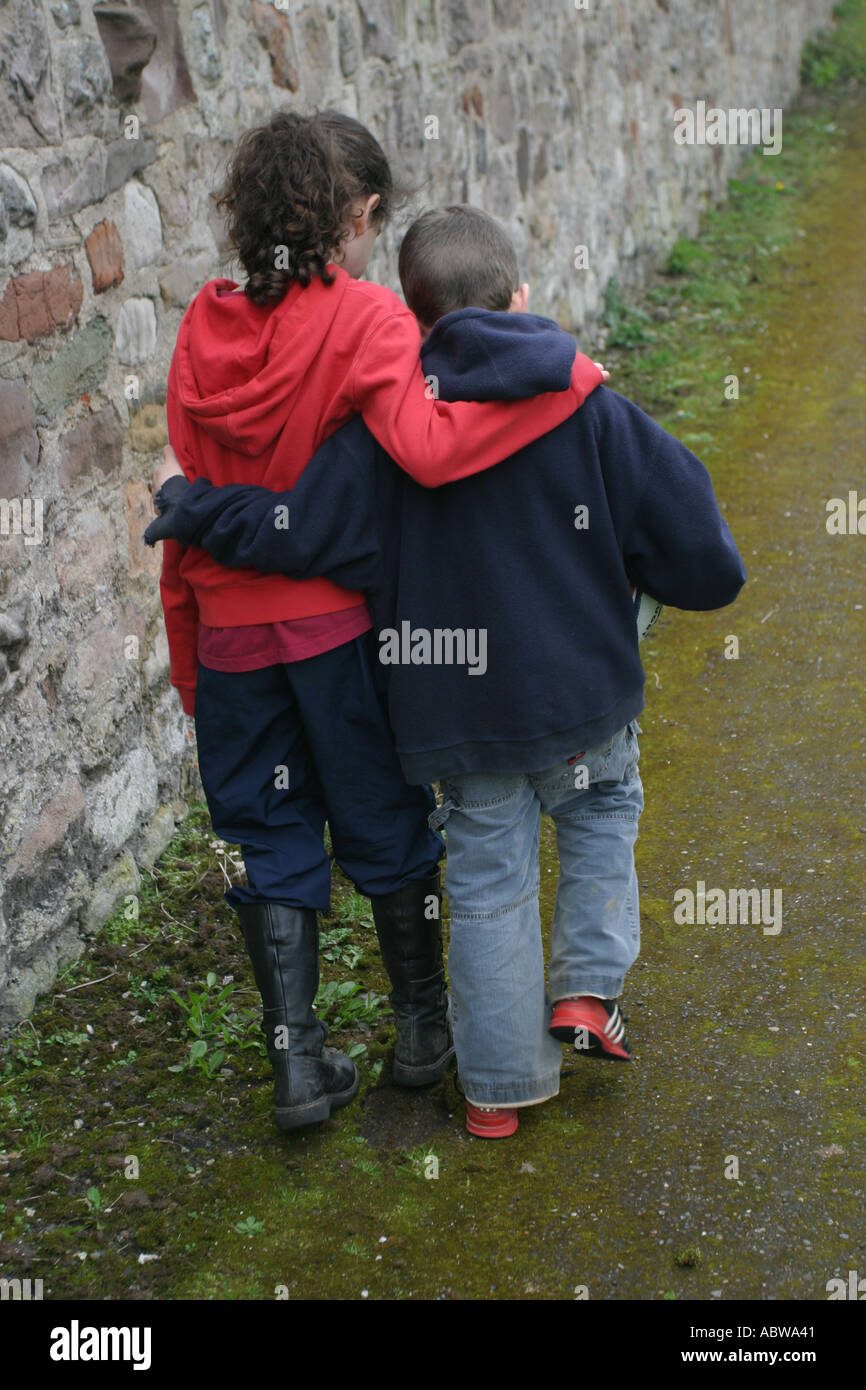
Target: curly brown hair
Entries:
(288, 195)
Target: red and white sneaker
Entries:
(490, 1122)
(592, 1026)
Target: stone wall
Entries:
(557, 118)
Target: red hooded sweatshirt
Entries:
(253, 392)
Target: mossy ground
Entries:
(122, 1179)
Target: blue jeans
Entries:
(501, 1011)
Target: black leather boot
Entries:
(310, 1080)
(411, 945)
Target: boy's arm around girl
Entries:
(674, 542)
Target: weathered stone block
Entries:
(143, 235)
(63, 295)
(95, 442)
(18, 204)
(15, 246)
(508, 14)
(67, 13)
(47, 829)
(123, 158)
(28, 111)
(465, 21)
(349, 47)
(144, 560)
(85, 554)
(19, 442)
(183, 280)
(9, 317)
(110, 891)
(77, 367)
(503, 109)
(165, 82)
(25, 983)
(378, 29)
(129, 39)
(99, 659)
(219, 231)
(316, 58)
(204, 49)
(44, 301)
(123, 800)
(69, 186)
(175, 207)
(135, 340)
(86, 80)
(193, 152)
(425, 20)
(156, 661)
(275, 34)
(148, 428)
(14, 638)
(157, 835)
(105, 254)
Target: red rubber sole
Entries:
(496, 1124)
(572, 1017)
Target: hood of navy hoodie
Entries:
(489, 355)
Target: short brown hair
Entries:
(454, 258)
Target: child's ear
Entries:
(361, 219)
(520, 300)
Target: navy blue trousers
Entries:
(284, 749)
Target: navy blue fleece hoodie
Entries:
(520, 574)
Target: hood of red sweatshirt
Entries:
(239, 369)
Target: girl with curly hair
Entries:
(281, 674)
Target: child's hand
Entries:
(169, 484)
(605, 376)
(169, 468)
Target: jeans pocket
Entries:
(439, 816)
(632, 732)
(598, 760)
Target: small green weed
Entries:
(338, 947)
(354, 910)
(346, 1004)
(421, 1162)
(216, 1019)
(837, 55)
(249, 1227)
(626, 323)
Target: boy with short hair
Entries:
(507, 634)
